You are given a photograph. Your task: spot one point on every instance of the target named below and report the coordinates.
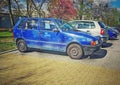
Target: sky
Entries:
(115, 3)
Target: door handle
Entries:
(88, 31)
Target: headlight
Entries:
(94, 43)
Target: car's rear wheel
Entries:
(21, 45)
(75, 51)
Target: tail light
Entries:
(102, 31)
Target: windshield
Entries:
(64, 26)
(102, 25)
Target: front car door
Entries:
(50, 36)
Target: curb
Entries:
(7, 51)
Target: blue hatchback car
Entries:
(54, 34)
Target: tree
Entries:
(63, 9)
(35, 6)
(10, 13)
(84, 8)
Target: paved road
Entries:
(108, 56)
(50, 68)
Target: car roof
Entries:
(84, 20)
(37, 18)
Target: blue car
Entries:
(112, 33)
(54, 34)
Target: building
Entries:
(5, 22)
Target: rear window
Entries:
(22, 23)
(102, 25)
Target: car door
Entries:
(50, 37)
(31, 33)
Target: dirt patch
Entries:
(44, 71)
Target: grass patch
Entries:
(6, 41)
(6, 34)
(4, 46)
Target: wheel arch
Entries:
(73, 43)
(80, 50)
(18, 39)
(25, 48)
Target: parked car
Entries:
(113, 33)
(94, 28)
(53, 34)
(117, 28)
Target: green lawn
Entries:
(6, 41)
(6, 34)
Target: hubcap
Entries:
(74, 51)
(21, 46)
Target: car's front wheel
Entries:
(21, 45)
(75, 51)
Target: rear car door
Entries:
(30, 33)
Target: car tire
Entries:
(75, 51)
(21, 45)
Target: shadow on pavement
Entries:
(113, 39)
(96, 55)
(99, 54)
(47, 51)
(106, 45)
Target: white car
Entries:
(94, 28)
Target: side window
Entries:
(73, 24)
(92, 24)
(80, 25)
(22, 24)
(85, 25)
(102, 25)
(47, 25)
(31, 24)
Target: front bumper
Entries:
(88, 50)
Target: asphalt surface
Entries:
(52, 68)
(107, 57)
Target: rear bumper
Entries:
(88, 50)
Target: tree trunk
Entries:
(10, 13)
(28, 14)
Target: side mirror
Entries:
(55, 30)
